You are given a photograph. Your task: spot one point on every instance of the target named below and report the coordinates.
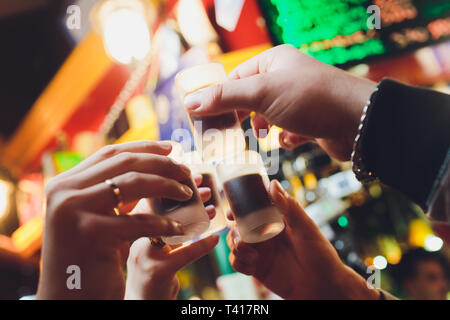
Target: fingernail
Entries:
(165, 145)
(280, 188)
(214, 238)
(236, 236)
(188, 191)
(186, 170)
(287, 141)
(193, 101)
(178, 227)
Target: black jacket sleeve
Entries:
(406, 139)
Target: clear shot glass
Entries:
(245, 182)
(191, 214)
(214, 136)
(208, 172)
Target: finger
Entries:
(294, 214)
(243, 89)
(242, 266)
(240, 249)
(289, 140)
(183, 256)
(205, 193)
(198, 178)
(211, 211)
(258, 64)
(260, 126)
(230, 215)
(241, 94)
(118, 229)
(133, 186)
(129, 161)
(242, 115)
(155, 147)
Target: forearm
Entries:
(406, 139)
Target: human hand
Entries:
(151, 270)
(310, 100)
(81, 228)
(300, 263)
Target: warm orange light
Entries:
(5, 191)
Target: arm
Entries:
(406, 139)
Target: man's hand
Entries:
(151, 270)
(310, 100)
(300, 263)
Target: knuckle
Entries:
(51, 187)
(134, 177)
(54, 189)
(61, 204)
(108, 151)
(87, 226)
(126, 158)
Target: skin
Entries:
(310, 100)
(81, 228)
(152, 270)
(303, 264)
(429, 282)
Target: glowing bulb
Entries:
(126, 35)
(380, 262)
(433, 243)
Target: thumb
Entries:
(294, 214)
(183, 256)
(242, 94)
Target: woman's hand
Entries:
(151, 270)
(81, 228)
(300, 263)
(311, 100)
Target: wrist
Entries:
(348, 95)
(152, 288)
(354, 287)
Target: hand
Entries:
(151, 271)
(300, 263)
(311, 100)
(81, 228)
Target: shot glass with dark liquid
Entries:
(208, 172)
(214, 136)
(191, 213)
(245, 183)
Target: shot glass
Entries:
(191, 214)
(245, 182)
(214, 136)
(208, 172)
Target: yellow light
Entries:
(5, 188)
(125, 28)
(271, 141)
(194, 23)
(418, 231)
(368, 261)
(310, 181)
